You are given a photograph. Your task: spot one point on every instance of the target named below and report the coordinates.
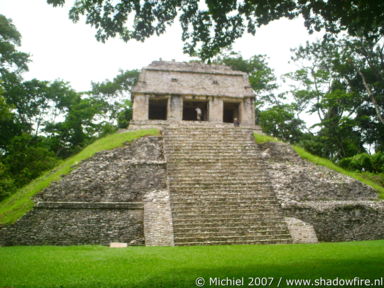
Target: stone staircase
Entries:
(218, 188)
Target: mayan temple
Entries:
(203, 181)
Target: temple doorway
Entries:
(189, 110)
(231, 111)
(157, 109)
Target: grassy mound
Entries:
(324, 162)
(20, 203)
(96, 266)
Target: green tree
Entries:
(260, 75)
(117, 93)
(11, 60)
(80, 123)
(27, 158)
(12, 64)
(280, 121)
(7, 186)
(344, 88)
(208, 27)
(274, 116)
(41, 121)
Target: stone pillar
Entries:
(175, 108)
(140, 107)
(158, 224)
(253, 113)
(247, 113)
(216, 110)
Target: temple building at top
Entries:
(174, 91)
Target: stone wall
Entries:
(341, 220)
(295, 179)
(338, 207)
(77, 224)
(301, 232)
(99, 202)
(123, 174)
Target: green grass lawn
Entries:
(96, 266)
(20, 203)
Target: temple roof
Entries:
(180, 78)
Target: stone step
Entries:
(182, 180)
(217, 143)
(234, 199)
(224, 209)
(209, 133)
(189, 199)
(231, 239)
(244, 242)
(228, 163)
(266, 229)
(231, 233)
(214, 207)
(240, 182)
(218, 170)
(240, 154)
(245, 217)
(215, 176)
(233, 225)
(227, 219)
(215, 152)
(222, 158)
(179, 227)
(185, 199)
(215, 168)
(235, 142)
(192, 175)
(234, 236)
(240, 158)
(230, 202)
(219, 190)
(254, 186)
(213, 227)
(219, 197)
(213, 193)
(210, 146)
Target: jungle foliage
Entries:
(43, 122)
(211, 25)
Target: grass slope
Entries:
(324, 162)
(96, 266)
(20, 203)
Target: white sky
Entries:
(69, 51)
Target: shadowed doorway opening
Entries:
(157, 109)
(189, 110)
(231, 111)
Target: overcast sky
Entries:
(64, 50)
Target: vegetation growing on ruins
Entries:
(19, 203)
(96, 266)
(366, 178)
